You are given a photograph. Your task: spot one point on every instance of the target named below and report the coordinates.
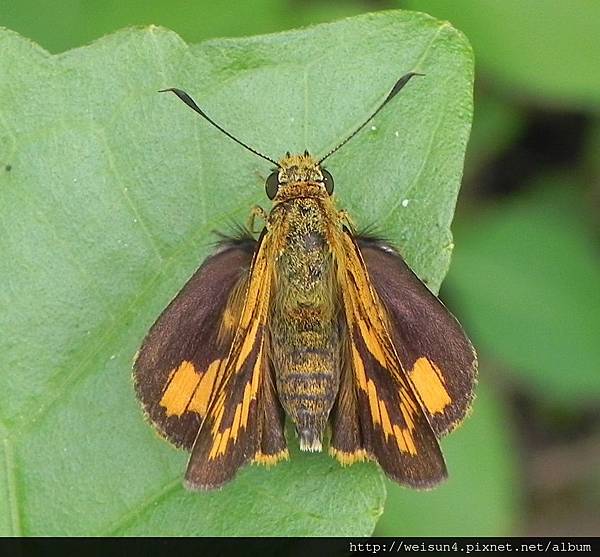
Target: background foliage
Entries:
(523, 278)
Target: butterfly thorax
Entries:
(305, 335)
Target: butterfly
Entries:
(309, 321)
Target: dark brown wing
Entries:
(377, 414)
(244, 421)
(184, 354)
(434, 350)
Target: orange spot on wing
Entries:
(373, 402)
(182, 385)
(372, 343)
(215, 446)
(258, 366)
(246, 404)
(247, 346)
(359, 369)
(204, 390)
(404, 440)
(427, 380)
(235, 427)
(251, 389)
(400, 439)
(385, 420)
(219, 410)
(224, 440)
(410, 442)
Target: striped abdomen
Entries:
(305, 337)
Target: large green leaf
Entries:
(108, 195)
(542, 48)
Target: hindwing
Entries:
(378, 414)
(244, 421)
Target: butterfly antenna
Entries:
(191, 103)
(395, 90)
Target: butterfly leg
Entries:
(256, 212)
(344, 216)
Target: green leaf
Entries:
(109, 193)
(540, 48)
(526, 277)
(480, 496)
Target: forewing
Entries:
(184, 354)
(245, 421)
(392, 427)
(433, 348)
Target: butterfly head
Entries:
(298, 171)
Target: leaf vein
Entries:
(416, 66)
(130, 517)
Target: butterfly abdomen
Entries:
(305, 336)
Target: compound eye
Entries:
(327, 181)
(272, 184)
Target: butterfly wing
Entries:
(184, 354)
(244, 421)
(439, 359)
(377, 414)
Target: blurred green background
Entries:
(525, 275)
